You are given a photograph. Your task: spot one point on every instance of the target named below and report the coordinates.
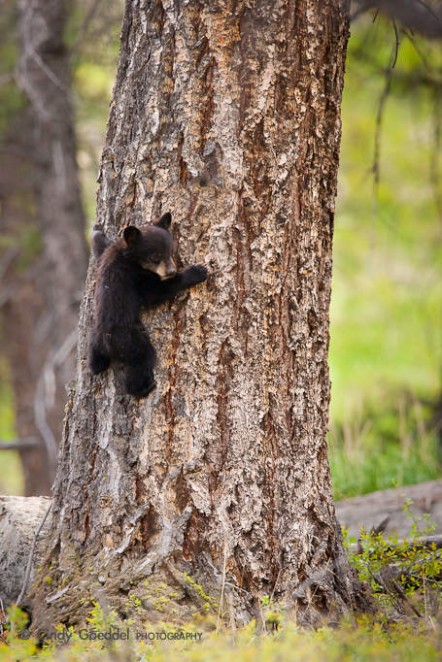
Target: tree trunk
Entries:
(42, 216)
(227, 114)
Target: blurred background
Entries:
(57, 65)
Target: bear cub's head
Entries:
(151, 247)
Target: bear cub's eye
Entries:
(155, 258)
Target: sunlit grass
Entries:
(11, 477)
(387, 450)
(359, 639)
(386, 311)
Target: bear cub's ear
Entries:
(165, 221)
(131, 235)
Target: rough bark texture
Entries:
(43, 221)
(226, 113)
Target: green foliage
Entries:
(94, 38)
(271, 613)
(6, 403)
(405, 575)
(12, 102)
(93, 83)
(19, 647)
(364, 640)
(31, 244)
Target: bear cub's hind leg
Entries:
(99, 359)
(140, 379)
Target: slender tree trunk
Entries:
(42, 215)
(227, 113)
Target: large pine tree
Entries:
(227, 114)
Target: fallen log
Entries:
(20, 518)
(370, 511)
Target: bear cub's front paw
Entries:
(197, 274)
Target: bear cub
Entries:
(134, 272)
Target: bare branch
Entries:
(397, 44)
(19, 444)
(415, 543)
(435, 170)
(44, 393)
(84, 28)
(421, 17)
(379, 117)
(7, 259)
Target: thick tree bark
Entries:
(41, 199)
(227, 113)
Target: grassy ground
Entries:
(407, 626)
(362, 640)
(357, 641)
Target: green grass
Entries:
(11, 477)
(386, 312)
(386, 309)
(363, 640)
(363, 460)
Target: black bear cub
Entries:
(134, 272)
